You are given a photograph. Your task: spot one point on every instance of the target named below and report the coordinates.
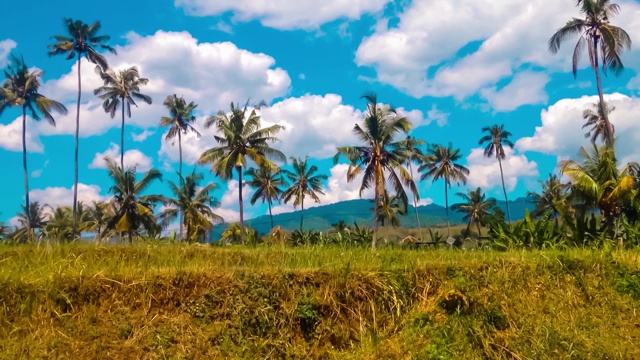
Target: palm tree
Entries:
(379, 154)
(440, 163)
(553, 198)
(31, 218)
(179, 122)
(604, 42)
(496, 137)
(81, 40)
(98, 218)
(195, 202)
(60, 224)
(414, 155)
(20, 89)
(476, 207)
(131, 209)
(121, 88)
(389, 207)
(240, 138)
(268, 185)
(304, 182)
(599, 182)
(596, 119)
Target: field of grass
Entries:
(164, 301)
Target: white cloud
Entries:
(132, 158)
(175, 62)
(11, 136)
(143, 135)
(5, 49)
(36, 173)
(561, 132)
(60, 196)
(484, 172)
(284, 14)
(526, 88)
(420, 55)
(418, 119)
(229, 205)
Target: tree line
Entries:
(382, 161)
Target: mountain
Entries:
(360, 211)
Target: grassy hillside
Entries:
(198, 302)
(359, 211)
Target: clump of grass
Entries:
(179, 301)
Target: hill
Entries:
(360, 211)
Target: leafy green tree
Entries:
(121, 88)
(476, 208)
(495, 139)
(305, 181)
(31, 218)
(179, 121)
(604, 42)
(240, 139)
(553, 199)
(81, 40)
(389, 207)
(596, 120)
(267, 184)
(131, 209)
(195, 202)
(98, 218)
(60, 224)
(598, 181)
(440, 163)
(20, 89)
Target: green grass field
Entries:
(163, 301)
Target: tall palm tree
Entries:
(131, 209)
(240, 139)
(604, 42)
(553, 198)
(268, 183)
(121, 88)
(440, 163)
(81, 40)
(599, 182)
(379, 158)
(179, 121)
(495, 139)
(414, 155)
(476, 207)
(389, 207)
(305, 181)
(20, 89)
(596, 119)
(195, 202)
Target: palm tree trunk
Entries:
(375, 224)
(469, 227)
(240, 203)
(122, 139)
(130, 233)
(608, 131)
(24, 166)
(478, 226)
(446, 205)
(75, 168)
(504, 189)
(270, 214)
(301, 213)
(181, 180)
(415, 205)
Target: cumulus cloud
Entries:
(143, 135)
(284, 14)
(420, 55)
(484, 172)
(132, 158)
(526, 88)
(5, 49)
(175, 62)
(561, 132)
(61, 196)
(11, 136)
(229, 207)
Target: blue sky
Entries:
(451, 66)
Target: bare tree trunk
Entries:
(122, 139)
(75, 169)
(415, 205)
(608, 130)
(26, 172)
(446, 204)
(240, 203)
(504, 189)
(375, 223)
(270, 214)
(181, 182)
(301, 213)
(478, 226)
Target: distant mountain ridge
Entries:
(360, 211)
